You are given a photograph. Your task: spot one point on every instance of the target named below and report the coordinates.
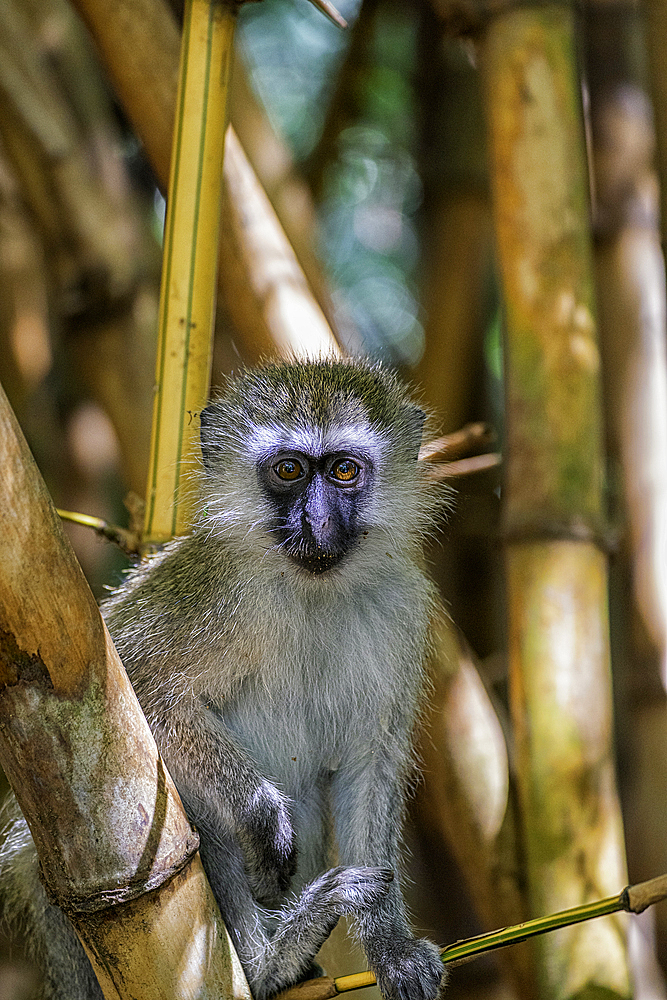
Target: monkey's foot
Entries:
(409, 969)
(306, 922)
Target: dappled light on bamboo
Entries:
(560, 683)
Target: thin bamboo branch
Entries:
(632, 899)
(469, 440)
(129, 541)
(465, 466)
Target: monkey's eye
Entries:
(288, 469)
(344, 470)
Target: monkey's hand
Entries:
(407, 968)
(336, 893)
(266, 837)
(348, 890)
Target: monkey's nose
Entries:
(318, 527)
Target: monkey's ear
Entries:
(207, 436)
(416, 418)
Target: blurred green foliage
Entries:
(370, 189)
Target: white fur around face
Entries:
(266, 440)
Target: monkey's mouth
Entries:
(313, 558)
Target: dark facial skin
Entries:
(317, 502)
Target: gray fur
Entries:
(283, 702)
(49, 936)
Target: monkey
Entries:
(278, 652)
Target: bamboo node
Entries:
(560, 531)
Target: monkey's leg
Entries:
(368, 811)
(223, 790)
(277, 948)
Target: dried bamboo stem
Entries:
(556, 576)
(116, 849)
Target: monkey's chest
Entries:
(321, 696)
(304, 717)
(291, 732)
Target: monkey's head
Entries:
(315, 461)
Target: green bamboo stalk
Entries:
(556, 574)
(187, 296)
(632, 899)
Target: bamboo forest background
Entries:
(472, 194)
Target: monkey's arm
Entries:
(221, 786)
(368, 800)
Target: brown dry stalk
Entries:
(64, 697)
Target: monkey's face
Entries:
(318, 503)
(315, 462)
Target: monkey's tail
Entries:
(50, 940)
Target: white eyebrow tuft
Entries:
(314, 441)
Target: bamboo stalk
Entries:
(655, 13)
(139, 48)
(466, 792)
(632, 899)
(280, 177)
(297, 323)
(556, 575)
(187, 295)
(117, 852)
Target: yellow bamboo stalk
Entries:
(187, 296)
(632, 899)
